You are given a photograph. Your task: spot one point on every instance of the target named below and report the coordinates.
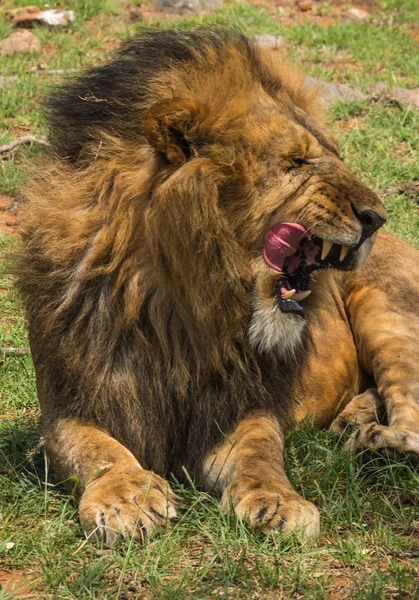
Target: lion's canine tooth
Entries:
(299, 296)
(327, 246)
(343, 252)
(289, 295)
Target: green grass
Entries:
(369, 546)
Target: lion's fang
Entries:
(327, 246)
(288, 295)
(299, 296)
(343, 252)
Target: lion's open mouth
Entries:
(292, 251)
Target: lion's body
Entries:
(153, 320)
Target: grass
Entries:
(369, 546)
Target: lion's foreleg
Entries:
(248, 469)
(387, 339)
(118, 496)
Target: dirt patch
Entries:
(17, 584)
(349, 124)
(413, 32)
(323, 13)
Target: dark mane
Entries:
(137, 292)
(107, 98)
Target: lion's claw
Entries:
(271, 511)
(389, 441)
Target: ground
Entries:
(369, 547)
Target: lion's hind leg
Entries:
(248, 469)
(118, 497)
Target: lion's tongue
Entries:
(281, 241)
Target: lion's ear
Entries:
(171, 127)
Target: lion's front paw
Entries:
(389, 441)
(362, 410)
(129, 502)
(363, 419)
(270, 510)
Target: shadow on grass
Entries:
(21, 455)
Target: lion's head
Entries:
(195, 171)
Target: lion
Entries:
(201, 272)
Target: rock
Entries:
(5, 81)
(357, 15)
(56, 18)
(265, 40)
(336, 92)
(21, 41)
(28, 16)
(401, 95)
(404, 96)
(305, 5)
(196, 6)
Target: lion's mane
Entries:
(138, 295)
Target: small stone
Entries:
(56, 18)
(305, 5)
(357, 15)
(401, 95)
(335, 92)
(21, 41)
(265, 40)
(196, 6)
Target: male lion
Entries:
(190, 204)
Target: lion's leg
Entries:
(118, 495)
(363, 410)
(363, 419)
(248, 468)
(385, 323)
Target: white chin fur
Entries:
(271, 330)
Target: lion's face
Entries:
(304, 209)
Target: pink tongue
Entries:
(281, 241)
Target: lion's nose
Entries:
(370, 221)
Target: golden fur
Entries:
(153, 323)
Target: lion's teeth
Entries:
(299, 296)
(327, 246)
(289, 295)
(343, 252)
